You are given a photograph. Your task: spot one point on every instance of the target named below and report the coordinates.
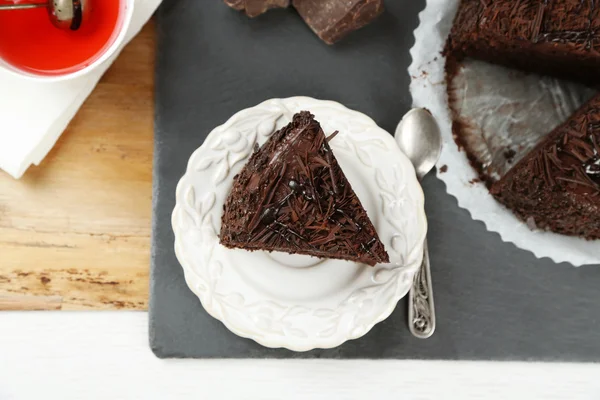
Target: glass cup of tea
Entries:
(31, 47)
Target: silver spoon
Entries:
(64, 14)
(418, 136)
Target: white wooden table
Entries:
(105, 355)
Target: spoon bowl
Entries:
(64, 14)
(418, 136)
(68, 14)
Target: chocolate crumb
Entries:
(509, 154)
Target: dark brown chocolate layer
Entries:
(254, 8)
(552, 37)
(292, 196)
(332, 20)
(557, 185)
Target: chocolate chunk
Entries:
(254, 8)
(331, 20)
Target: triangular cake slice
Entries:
(292, 196)
(557, 185)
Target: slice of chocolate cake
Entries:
(292, 196)
(554, 37)
(557, 185)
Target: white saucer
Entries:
(299, 302)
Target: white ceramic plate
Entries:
(299, 302)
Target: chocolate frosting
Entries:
(293, 196)
(569, 158)
(556, 37)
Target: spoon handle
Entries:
(21, 6)
(421, 311)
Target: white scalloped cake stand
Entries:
(428, 88)
(299, 302)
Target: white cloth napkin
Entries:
(33, 115)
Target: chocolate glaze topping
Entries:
(292, 196)
(556, 37)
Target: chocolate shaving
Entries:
(585, 147)
(594, 134)
(537, 22)
(553, 157)
(585, 177)
(578, 182)
(333, 135)
(577, 155)
(548, 171)
(331, 172)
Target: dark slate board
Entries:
(493, 300)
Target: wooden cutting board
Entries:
(75, 231)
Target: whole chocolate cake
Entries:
(557, 185)
(292, 196)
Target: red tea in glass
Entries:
(29, 42)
